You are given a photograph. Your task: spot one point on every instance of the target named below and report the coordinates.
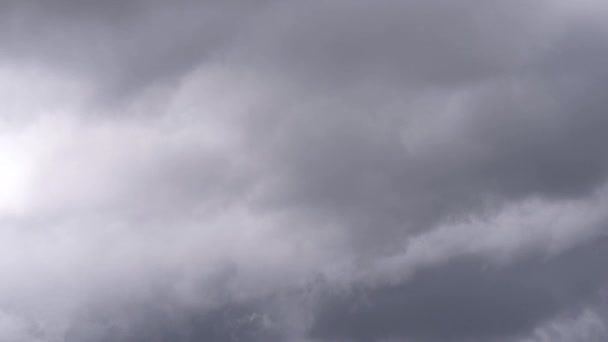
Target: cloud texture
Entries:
(318, 171)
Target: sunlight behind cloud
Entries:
(15, 169)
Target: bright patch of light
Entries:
(15, 169)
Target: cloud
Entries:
(302, 171)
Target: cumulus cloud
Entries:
(303, 171)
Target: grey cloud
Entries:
(353, 150)
(163, 321)
(465, 300)
(408, 44)
(123, 46)
(306, 144)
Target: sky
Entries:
(303, 170)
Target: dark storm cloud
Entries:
(387, 170)
(465, 300)
(123, 45)
(156, 320)
(411, 42)
(510, 140)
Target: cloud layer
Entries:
(303, 171)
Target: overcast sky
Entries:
(303, 170)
